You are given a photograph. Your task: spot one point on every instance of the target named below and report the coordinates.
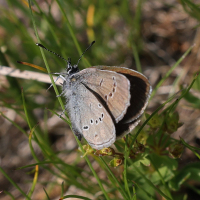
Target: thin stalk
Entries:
(125, 169)
(87, 64)
(170, 71)
(123, 192)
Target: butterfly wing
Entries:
(89, 117)
(113, 88)
(140, 90)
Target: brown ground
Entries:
(168, 33)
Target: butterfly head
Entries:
(71, 69)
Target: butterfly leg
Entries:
(60, 94)
(60, 76)
(62, 112)
(56, 73)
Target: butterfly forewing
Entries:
(112, 87)
(140, 90)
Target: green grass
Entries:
(147, 170)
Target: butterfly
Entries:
(104, 103)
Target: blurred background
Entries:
(148, 36)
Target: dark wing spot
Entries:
(110, 94)
(91, 121)
(86, 127)
(106, 97)
(114, 89)
(101, 82)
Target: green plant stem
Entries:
(92, 169)
(137, 59)
(140, 129)
(195, 189)
(136, 35)
(13, 183)
(193, 149)
(34, 181)
(134, 194)
(49, 23)
(170, 71)
(13, 123)
(75, 196)
(62, 188)
(87, 64)
(151, 184)
(44, 58)
(123, 192)
(161, 178)
(161, 106)
(125, 169)
(46, 194)
(9, 194)
(90, 166)
(145, 191)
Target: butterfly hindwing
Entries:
(89, 118)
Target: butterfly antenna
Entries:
(40, 45)
(84, 52)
